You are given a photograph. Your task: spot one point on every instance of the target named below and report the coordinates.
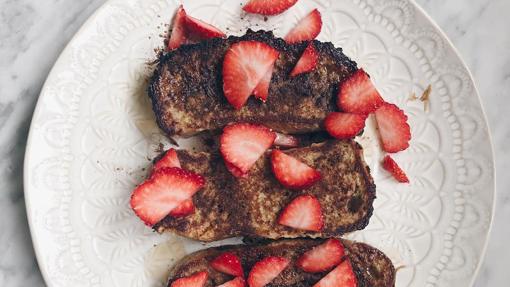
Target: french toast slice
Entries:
(371, 267)
(187, 88)
(229, 207)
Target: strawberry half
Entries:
(166, 189)
(261, 91)
(242, 144)
(246, 63)
(196, 280)
(322, 257)
(343, 125)
(342, 275)
(178, 35)
(303, 213)
(237, 282)
(393, 128)
(202, 30)
(291, 172)
(390, 165)
(306, 29)
(307, 62)
(283, 140)
(358, 95)
(268, 7)
(266, 270)
(228, 263)
(169, 159)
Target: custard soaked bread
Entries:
(369, 266)
(187, 88)
(227, 206)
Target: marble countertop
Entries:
(33, 33)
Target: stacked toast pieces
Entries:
(291, 193)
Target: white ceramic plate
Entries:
(93, 135)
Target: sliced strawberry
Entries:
(201, 29)
(306, 29)
(166, 189)
(228, 263)
(242, 144)
(393, 128)
(268, 7)
(261, 91)
(283, 140)
(307, 62)
(322, 257)
(245, 65)
(235, 171)
(343, 125)
(341, 276)
(170, 159)
(358, 95)
(184, 209)
(390, 165)
(196, 280)
(266, 270)
(178, 35)
(237, 282)
(291, 172)
(303, 213)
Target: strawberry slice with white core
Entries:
(303, 213)
(178, 35)
(268, 7)
(243, 144)
(283, 140)
(165, 190)
(394, 130)
(237, 282)
(245, 65)
(228, 263)
(261, 91)
(170, 159)
(201, 29)
(306, 29)
(184, 209)
(196, 280)
(343, 125)
(307, 62)
(391, 166)
(291, 172)
(341, 276)
(358, 95)
(322, 257)
(266, 270)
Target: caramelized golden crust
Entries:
(371, 267)
(228, 207)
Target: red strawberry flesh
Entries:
(342, 275)
(307, 62)
(303, 213)
(358, 95)
(306, 29)
(196, 280)
(165, 190)
(228, 263)
(322, 257)
(343, 125)
(236, 282)
(394, 130)
(243, 144)
(178, 34)
(291, 172)
(169, 159)
(245, 65)
(266, 270)
(201, 29)
(261, 91)
(390, 165)
(268, 7)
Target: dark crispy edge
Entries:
(261, 35)
(185, 262)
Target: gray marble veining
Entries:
(33, 33)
